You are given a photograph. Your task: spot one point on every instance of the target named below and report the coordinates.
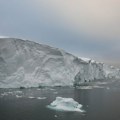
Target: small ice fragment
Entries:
(98, 86)
(55, 116)
(41, 98)
(10, 92)
(18, 91)
(55, 92)
(107, 88)
(102, 83)
(38, 89)
(52, 89)
(18, 96)
(4, 94)
(85, 87)
(31, 97)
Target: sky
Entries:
(85, 28)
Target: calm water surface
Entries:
(102, 102)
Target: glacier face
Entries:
(29, 64)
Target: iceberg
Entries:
(65, 104)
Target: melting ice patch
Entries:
(65, 104)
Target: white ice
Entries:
(65, 104)
(27, 64)
(18, 96)
(31, 97)
(39, 98)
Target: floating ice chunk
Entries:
(17, 96)
(10, 92)
(102, 83)
(4, 94)
(89, 87)
(65, 104)
(52, 89)
(18, 91)
(55, 92)
(108, 88)
(85, 87)
(31, 97)
(96, 86)
(41, 98)
(55, 116)
(38, 89)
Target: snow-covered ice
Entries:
(85, 59)
(25, 63)
(65, 104)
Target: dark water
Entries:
(99, 103)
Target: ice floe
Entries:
(65, 104)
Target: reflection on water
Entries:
(100, 103)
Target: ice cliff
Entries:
(28, 64)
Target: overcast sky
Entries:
(87, 28)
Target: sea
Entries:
(100, 100)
